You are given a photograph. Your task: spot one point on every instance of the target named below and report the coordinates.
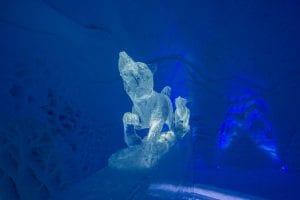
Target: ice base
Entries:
(143, 156)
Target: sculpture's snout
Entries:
(125, 62)
(123, 54)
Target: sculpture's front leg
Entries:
(130, 120)
(156, 126)
(152, 153)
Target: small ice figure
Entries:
(151, 110)
(182, 115)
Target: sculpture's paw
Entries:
(130, 118)
(181, 130)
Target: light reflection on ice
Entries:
(171, 191)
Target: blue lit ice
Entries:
(151, 110)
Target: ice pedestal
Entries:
(144, 155)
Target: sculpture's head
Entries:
(180, 102)
(137, 77)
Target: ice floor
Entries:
(173, 180)
(110, 184)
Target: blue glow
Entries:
(284, 168)
(247, 115)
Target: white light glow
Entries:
(194, 192)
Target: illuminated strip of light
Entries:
(196, 191)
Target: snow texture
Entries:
(30, 166)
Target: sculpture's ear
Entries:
(143, 69)
(166, 91)
(152, 67)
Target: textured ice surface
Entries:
(30, 166)
(151, 110)
(38, 16)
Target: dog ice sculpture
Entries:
(151, 110)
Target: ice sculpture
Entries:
(182, 115)
(151, 110)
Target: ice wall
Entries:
(50, 80)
